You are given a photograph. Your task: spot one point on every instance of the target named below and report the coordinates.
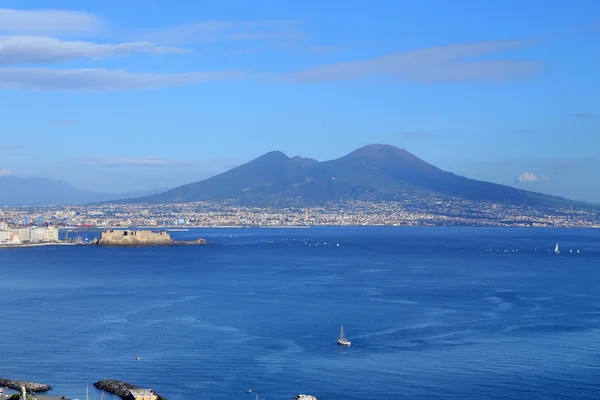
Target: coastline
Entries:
(2, 246)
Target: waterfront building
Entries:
(36, 234)
(9, 238)
(142, 394)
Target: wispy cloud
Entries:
(47, 22)
(153, 161)
(16, 50)
(103, 79)
(563, 167)
(441, 64)
(5, 172)
(65, 122)
(142, 162)
(418, 135)
(583, 115)
(220, 31)
(9, 148)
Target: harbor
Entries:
(25, 390)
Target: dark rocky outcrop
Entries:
(119, 388)
(29, 386)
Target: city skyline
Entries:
(141, 96)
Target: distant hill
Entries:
(374, 172)
(15, 191)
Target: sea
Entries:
(432, 313)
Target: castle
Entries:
(135, 238)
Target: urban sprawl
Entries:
(38, 223)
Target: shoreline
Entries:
(7, 246)
(187, 228)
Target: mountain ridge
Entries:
(33, 191)
(372, 172)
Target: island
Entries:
(140, 238)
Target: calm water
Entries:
(262, 309)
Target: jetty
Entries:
(140, 238)
(125, 390)
(29, 386)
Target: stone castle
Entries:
(135, 238)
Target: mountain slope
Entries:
(372, 172)
(15, 191)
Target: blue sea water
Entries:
(432, 313)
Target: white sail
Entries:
(556, 249)
(342, 340)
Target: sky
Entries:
(123, 96)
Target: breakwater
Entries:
(120, 388)
(29, 386)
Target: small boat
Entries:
(556, 249)
(137, 357)
(342, 341)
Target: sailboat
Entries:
(556, 249)
(342, 341)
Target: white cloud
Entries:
(545, 178)
(47, 22)
(527, 177)
(451, 63)
(32, 49)
(103, 79)
(5, 172)
(219, 31)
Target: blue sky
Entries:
(118, 96)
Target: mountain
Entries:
(15, 191)
(374, 172)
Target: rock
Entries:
(119, 388)
(113, 386)
(29, 386)
(305, 397)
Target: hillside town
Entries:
(39, 222)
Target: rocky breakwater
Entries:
(29, 386)
(120, 388)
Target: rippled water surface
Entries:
(431, 312)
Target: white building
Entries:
(3, 226)
(7, 237)
(36, 234)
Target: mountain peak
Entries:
(274, 155)
(376, 171)
(382, 151)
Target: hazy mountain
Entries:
(15, 191)
(372, 172)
